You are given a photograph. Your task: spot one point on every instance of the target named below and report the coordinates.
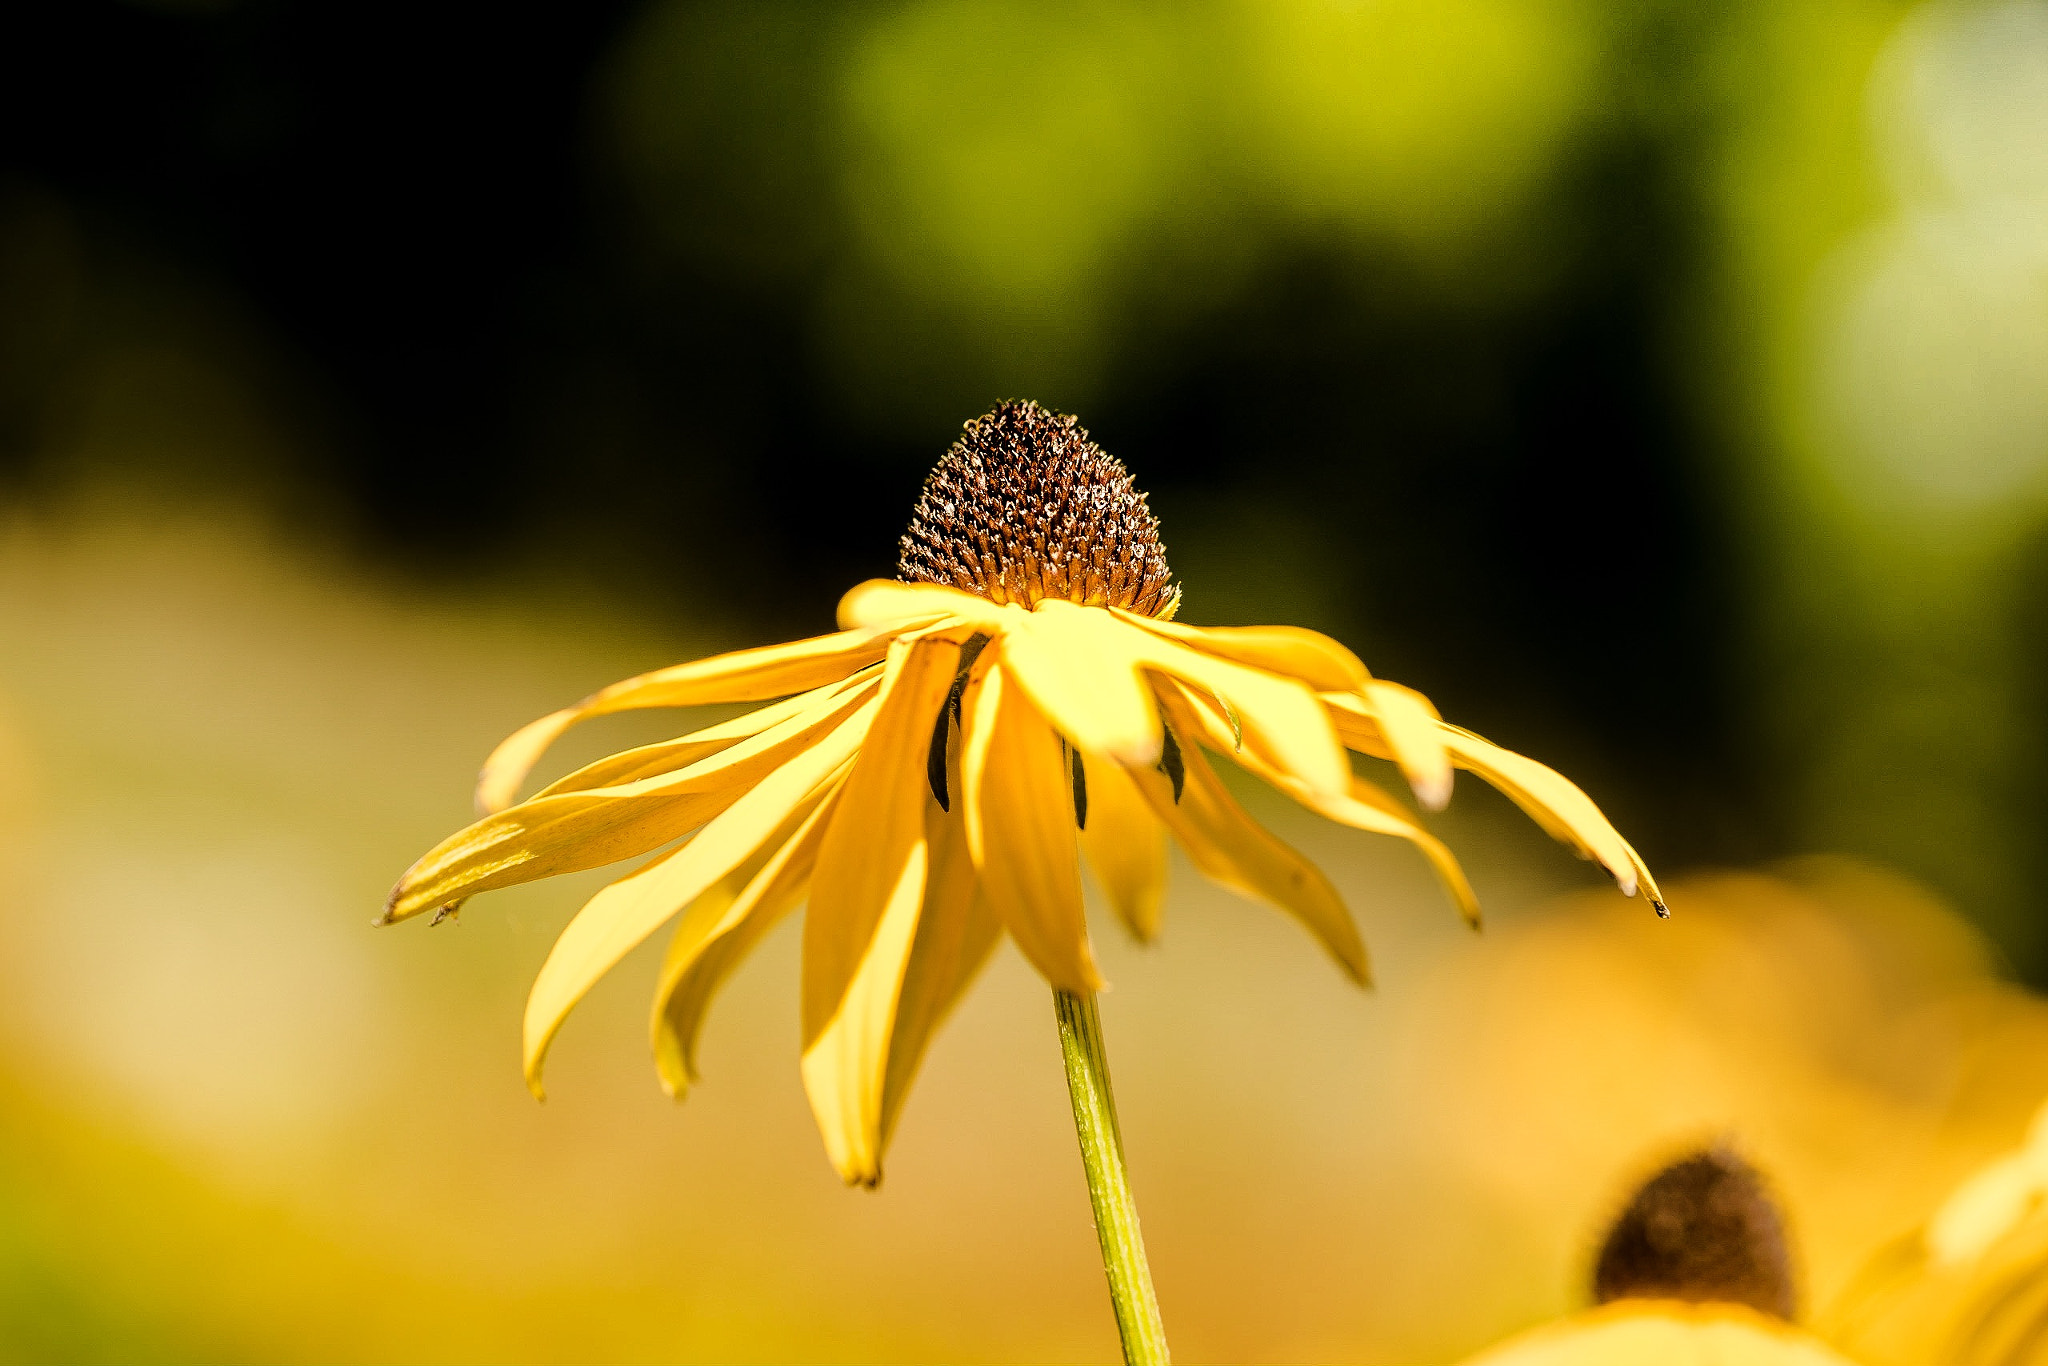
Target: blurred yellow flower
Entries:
(1970, 1287)
(1020, 692)
(1696, 1269)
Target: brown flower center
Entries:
(1703, 1229)
(1025, 507)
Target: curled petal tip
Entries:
(1435, 792)
(1626, 882)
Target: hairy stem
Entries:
(1109, 1184)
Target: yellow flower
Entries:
(1696, 1269)
(1022, 691)
(1970, 1287)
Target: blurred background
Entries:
(1662, 388)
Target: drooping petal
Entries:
(884, 602)
(1230, 848)
(1357, 723)
(866, 892)
(1020, 829)
(1414, 732)
(719, 930)
(647, 761)
(741, 676)
(1079, 669)
(1557, 804)
(979, 703)
(576, 830)
(1283, 715)
(1547, 797)
(1365, 807)
(1126, 846)
(1309, 656)
(615, 921)
(956, 931)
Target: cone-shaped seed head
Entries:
(1703, 1229)
(1024, 506)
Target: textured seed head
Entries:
(1024, 507)
(1703, 1229)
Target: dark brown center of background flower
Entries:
(1024, 507)
(1704, 1229)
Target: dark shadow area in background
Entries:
(1515, 508)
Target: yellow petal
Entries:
(1077, 666)
(1357, 723)
(615, 921)
(1230, 848)
(865, 895)
(1414, 732)
(719, 930)
(1285, 717)
(956, 932)
(1310, 656)
(1389, 721)
(1984, 1209)
(979, 704)
(1662, 1333)
(1126, 846)
(647, 761)
(1556, 804)
(742, 676)
(1020, 827)
(576, 830)
(1364, 807)
(884, 602)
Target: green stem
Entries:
(1109, 1185)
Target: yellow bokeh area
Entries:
(246, 1125)
(238, 1123)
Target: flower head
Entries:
(1695, 1269)
(934, 772)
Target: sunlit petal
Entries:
(1293, 651)
(956, 931)
(1283, 714)
(1414, 732)
(866, 893)
(1021, 829)
(1126, 846)
(1557, 804)
(615, 921)
(885, 602)
(1077, 666)
(741, 676)
(577, 830)
(647, 761)
(1364, 807)
(719, 930)
(1230, 848)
